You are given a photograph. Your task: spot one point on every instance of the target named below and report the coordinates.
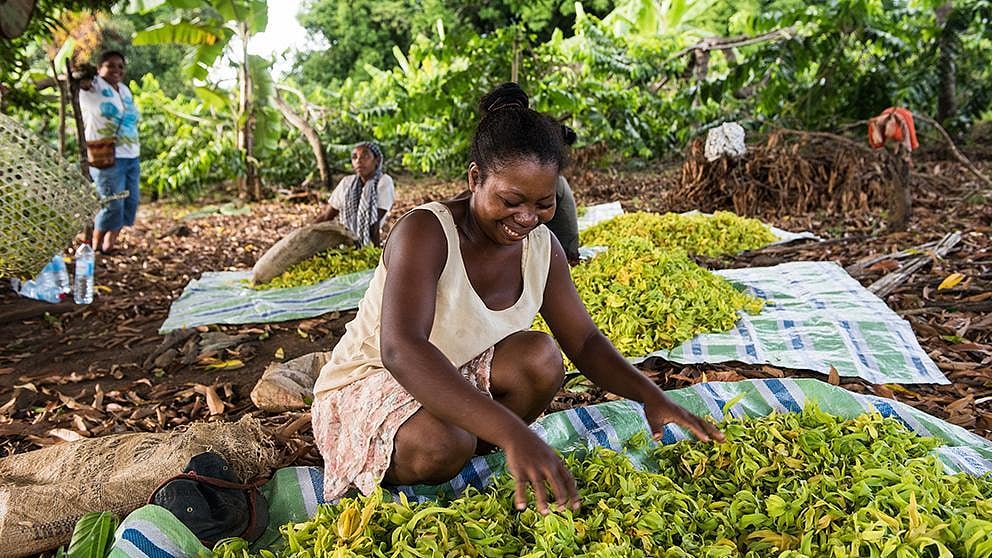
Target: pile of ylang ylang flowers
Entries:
(327, 264)
(645, 293)
(792, 486)
(695, 233)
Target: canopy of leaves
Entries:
(16, 54)
(364, 33)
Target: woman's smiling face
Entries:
(112, 70)
(513, 201)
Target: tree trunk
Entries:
(61, 87)
(901, 207)
(312, 137)
(947, 43)
(248, 185)
(77, 114)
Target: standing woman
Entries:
(439, 364)
(361, 201)
(109, 113)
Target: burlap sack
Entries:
(288, 386)
(300, 245)
(43, 493)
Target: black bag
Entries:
(208, 500)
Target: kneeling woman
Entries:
(439, 364)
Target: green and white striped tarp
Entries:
(222, 297)
(295, 492)
(816, 316)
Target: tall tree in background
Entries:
(210, 26)
(360, 33)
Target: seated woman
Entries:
(439, 363)
(362, 201)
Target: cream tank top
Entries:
(463, 327)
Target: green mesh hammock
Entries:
(44, 201)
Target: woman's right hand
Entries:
(532, 462)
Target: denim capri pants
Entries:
(123, 176)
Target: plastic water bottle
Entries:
(82, 292)
(61, 275)
(46, 285)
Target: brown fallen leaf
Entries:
(65, 434)
(293, 426)
(970, 347)
(80, 423)
(885, 266)
(214, 403)
(883, 391)
(833, 377)
(773, 372)
(961, 404)
(724, 376)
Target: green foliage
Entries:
(362, 34)
(22, 59)
(185, 146)
(165, 61)
(206, 25)
(796, 485)
(93, 535)
(425, 106)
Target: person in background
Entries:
(565, 223)
(439, 363)
(109, 112)
(362, 201)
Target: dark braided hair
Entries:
(510, 132)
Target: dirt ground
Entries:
(68, 371)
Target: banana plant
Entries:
(210, 27)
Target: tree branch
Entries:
(954, 150)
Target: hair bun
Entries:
(507, 95)
(568, 134)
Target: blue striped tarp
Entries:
(295, 492)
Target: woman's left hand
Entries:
(663, 411)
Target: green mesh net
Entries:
(44, 201)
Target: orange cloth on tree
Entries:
(889, 126)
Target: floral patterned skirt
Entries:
(354, 427)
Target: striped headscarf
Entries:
(361, 208)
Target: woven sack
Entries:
(299, 245)
(44, 201)
(101, 153)
(43, 493)
(288, 386)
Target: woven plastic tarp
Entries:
(816, 317)
(295, 492)
(223, 297)
(44, 201)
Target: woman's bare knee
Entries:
(546, 368)
(527, 373)
(428, 451)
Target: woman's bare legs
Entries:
(527, 372)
